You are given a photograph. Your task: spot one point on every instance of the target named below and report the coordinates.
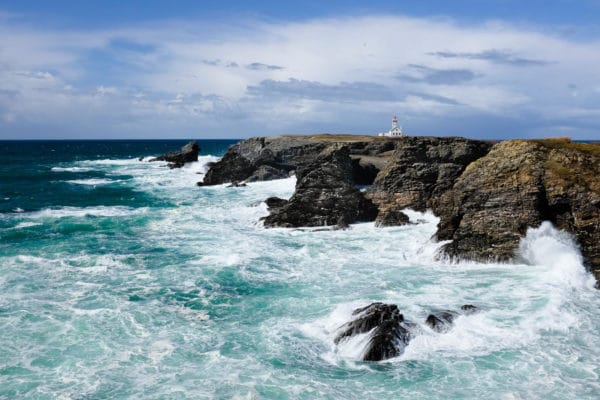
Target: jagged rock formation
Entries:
(259, 159)
(391, 217)
(177, 159)
(324, 195)
(390, 333)
(421, 169)
(519, 184)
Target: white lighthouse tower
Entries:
(395, 131)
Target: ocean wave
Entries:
(93, 181)
(99, 211)
(70, 169)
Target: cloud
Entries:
(345, 74)
(261, 66)
(344, 91)
(433, 76)
(494, 56)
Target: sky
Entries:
(234, 69)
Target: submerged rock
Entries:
(177, 159)
(441, 321)
(469, 308)
(324, 195)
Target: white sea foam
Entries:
(99, 211)
(93, 181)
(21, 225)
(554, 272)
(71, 169)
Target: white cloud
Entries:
(327, 74)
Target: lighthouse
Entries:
(396, 131)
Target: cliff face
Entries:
(421, 169)
(519, 184)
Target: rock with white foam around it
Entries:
(177, 159)
(389, 332)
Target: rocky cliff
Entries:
(517, 185)
(485, 194)
(266, 158)
(420, 170)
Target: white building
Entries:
(395, 131)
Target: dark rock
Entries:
(391, 217)
(469, 309)
(363, 171)
(367, 318)
(199, 183)
(141, 158)
(423, 168)
(177, 159)
(388, 340)
(324, 195)
(441, 321)
(390, 333)
(275, 202)
(519, 184)
(284, 154)
(267, 173)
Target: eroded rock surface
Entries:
(517, 185)
(266, 158)
(421, 169)
(325, 195)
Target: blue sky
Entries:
(219, 69)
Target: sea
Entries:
(122, 279)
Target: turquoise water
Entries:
(122, 279)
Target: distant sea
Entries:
(121, 279)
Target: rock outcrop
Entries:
(177, 159)
(324, 195)
(485, 194)
(266, 158)
(517, 185)
(421, 169)
(390, 332)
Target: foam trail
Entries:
(70, 169)
(100, 211)
(93, 182)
